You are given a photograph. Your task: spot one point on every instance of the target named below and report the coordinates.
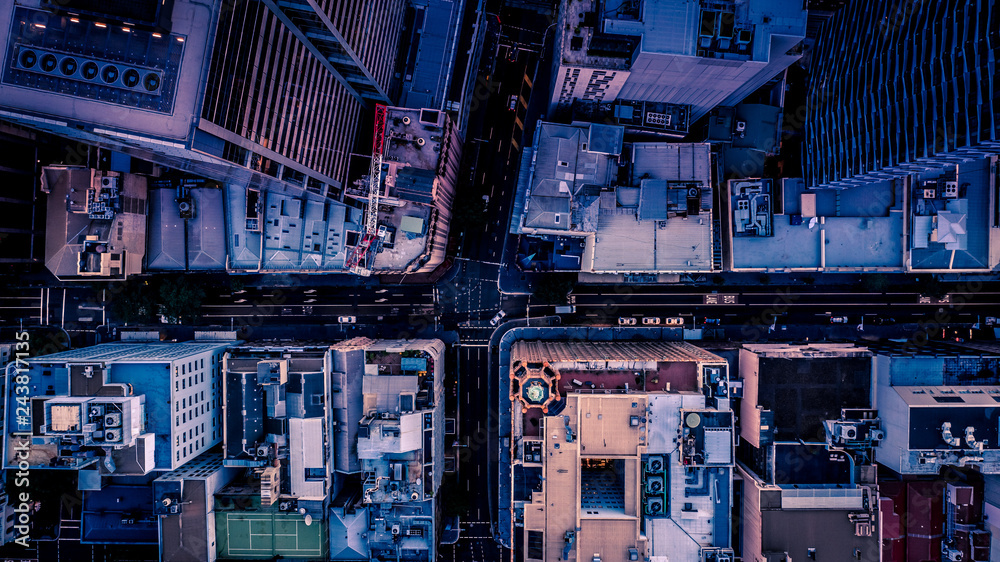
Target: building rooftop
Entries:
(119, 515)
(197, 242)
(816, 229)
(599, 463)
(275, 231)
(431, 55)
(154, 75)
(420, 151)
(660, 203)
(801, 386)
(95, 224)
(951, 230)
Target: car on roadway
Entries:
(512, 102)
(883, 321)
(650, 321)
(838, 320)
(496, 319)
(715, 321)
(347, 319)
(674, 321)
(991, 321)
(623, 321)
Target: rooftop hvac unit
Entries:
(741, 126)
(654, 485)
(849, 432)
(953, 555)
(414, 496)
(421, 141)
(113, 420)
(406, 120)
(285, 506)
(654, 464)
(877, 435)
(175, 508)
(184, 206)
(950, 189)
(654, 506)
(95, 411)
(694, 192)
(113, 435)
(262, 450)
(395, 530)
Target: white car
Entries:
(675, 321)
(496, 319)
(347, 319)
(838, 320)
(650, 321)
(623, 321)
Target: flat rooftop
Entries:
(652, 216)
(283, 232)
(868, 217)
(163, 106)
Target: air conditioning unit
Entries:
(654, 485)
(950, 189)
(80, 68)
(849, 432)
(741, 126)
(654, 506)
(414, 496)
(654, 464)
(694, 192)
(262, 450)
(953, 555)
(386, 415)
(395, 530)
(113, 420)
(113, 435)
(877, 435)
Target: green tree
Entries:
(467, 211)
(874, 282)
(180, 300)
(931, 286)
(553, 287)
(132, 302)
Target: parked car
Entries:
(623, 321)
(650, 321)
(675, 321)
(838, 320)
(715, 321)
(512, 103)
(883, 321)
(347, 319)
(496, 319)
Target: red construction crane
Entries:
(360, 259)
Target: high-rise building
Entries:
(261, 93)
(901, 87)
(118, 408)
(700, 53)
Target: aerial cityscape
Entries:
(500, 280)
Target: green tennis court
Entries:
(265, 535)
